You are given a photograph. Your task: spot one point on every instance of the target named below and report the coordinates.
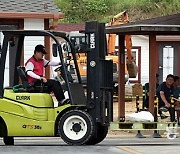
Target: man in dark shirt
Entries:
(164, 92)
(176, 85)
(176, 94)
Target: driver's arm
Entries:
(50, 63)
(164, 99)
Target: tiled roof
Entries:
(38, 6)
(173, 19)
(70, 27)
(165, 25)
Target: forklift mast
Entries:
(99, 74)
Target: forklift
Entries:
(31, 112)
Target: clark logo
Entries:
(23, 98)
(92, 41)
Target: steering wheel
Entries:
(70, 79)
(58, 69)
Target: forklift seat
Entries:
(29, 87)
(22, 75)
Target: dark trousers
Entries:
(171, 111)
(52, 86)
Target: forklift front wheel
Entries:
(76, 127)
(101, 132)
(8, 140)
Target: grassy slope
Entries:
(137, 9)
(144, 9)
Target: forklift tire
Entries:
(8, 140)
(76, 127)
(101, 134)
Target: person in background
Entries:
(164, 92)
(35, 73)
(60, 79)
(176, 85)
(146, 100)
(176, 94)
(146, 88)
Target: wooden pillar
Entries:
(47, 47)
(121, 79)
(178, 68)
(152, 70)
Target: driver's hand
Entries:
(58, 73)
(44, 79)
(168, 105)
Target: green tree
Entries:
(80, 11)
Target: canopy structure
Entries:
(151, 28)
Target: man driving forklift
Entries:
(35, 70)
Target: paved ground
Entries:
(111, 145)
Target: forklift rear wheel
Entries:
(8, 140)
(101, 134)
(76, 127)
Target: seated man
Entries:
(35, 70)
(164, 92)
(146, 100)
(176, 94)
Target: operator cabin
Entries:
(28, 15)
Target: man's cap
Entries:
(40, 48)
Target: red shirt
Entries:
(38, 68)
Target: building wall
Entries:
(143, 42)
(31, 42)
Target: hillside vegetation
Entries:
(80, 11)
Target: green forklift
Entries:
(28, 112)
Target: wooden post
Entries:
(47, 46)
(121, 79)
(152, 70)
